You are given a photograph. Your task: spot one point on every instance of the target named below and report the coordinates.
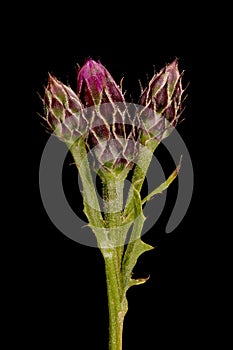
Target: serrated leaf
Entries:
(135, 247)
(163, 186)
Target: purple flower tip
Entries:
(95, 85)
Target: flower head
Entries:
(111, 138)
(162, 98)
(64, 112)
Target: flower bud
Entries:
(162, 98)
(64, 112)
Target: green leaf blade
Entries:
(163, 186)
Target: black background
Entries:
(62, 292)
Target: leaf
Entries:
(164, 185)
(135, 247)
(137, 282)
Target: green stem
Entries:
(113, 199)
(111, 234)
(90, 200)
(116, 304)
(140, 171)
(113, 188)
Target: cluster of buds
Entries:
(98, 112)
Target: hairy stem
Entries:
(116, 304)
(113, 188)
(90, 200)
